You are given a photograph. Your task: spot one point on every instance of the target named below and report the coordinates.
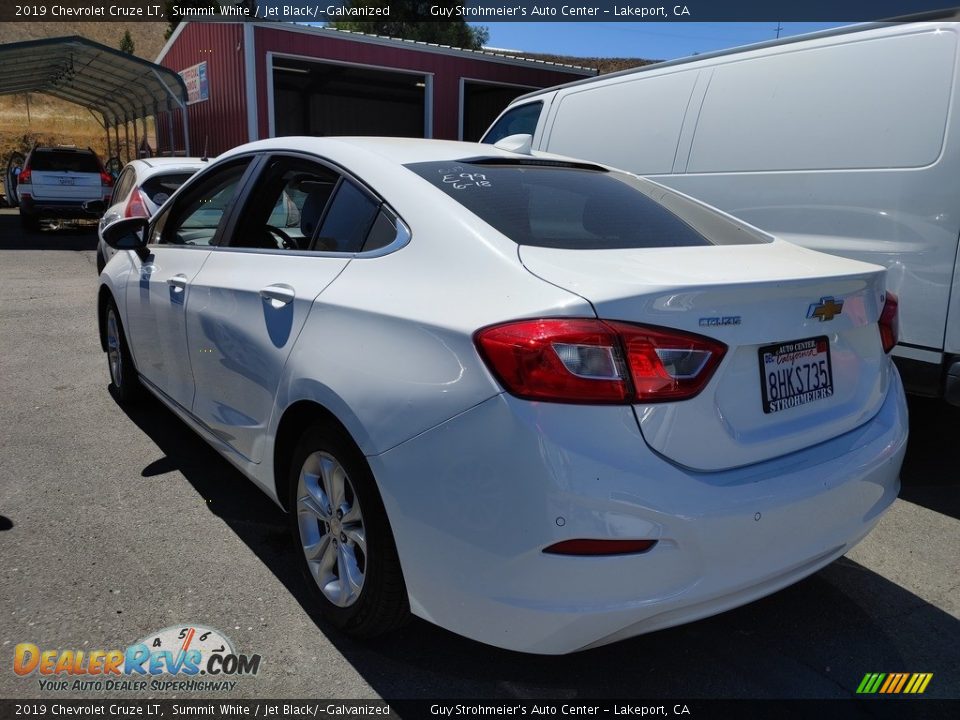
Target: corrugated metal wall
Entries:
(221, 121)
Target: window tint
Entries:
(561, 206)
(123, 186)
(64, 160)
(382, 233)
(347, 222)
(159, 188)
(195, 217)
(285, 206)
(521, 120)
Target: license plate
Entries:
(65, 180)
(795, 373)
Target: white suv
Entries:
(55, 183)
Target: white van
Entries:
(846, 141)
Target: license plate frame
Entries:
(66, 180)
(808, 376)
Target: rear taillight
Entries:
(106, 180)
(136, 207)
(599, 547)
(24, 176)
(890, 323)
(598, 361)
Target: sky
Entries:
(653, 41)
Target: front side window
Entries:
(196, 216)
(521, 120)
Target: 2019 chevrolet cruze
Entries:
(542, 403)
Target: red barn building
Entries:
(249, 81)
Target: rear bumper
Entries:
(63, 209)
(474, 501)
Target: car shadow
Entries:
(70, 237)
(930, 474)
(815, 639)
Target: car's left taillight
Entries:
(890, 323)
(574, 360)
(136, 206)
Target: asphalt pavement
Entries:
(116, 524)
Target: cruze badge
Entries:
(719, 321)
(827, 309)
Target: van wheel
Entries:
(30, 222)
(123, 375)
(346, 547)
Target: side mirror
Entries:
(126, 234)
(95, 207)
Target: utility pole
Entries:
(779, 28)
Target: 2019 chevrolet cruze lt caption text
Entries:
(541, 403)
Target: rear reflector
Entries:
(600, 547)
(576, 360)
(890, 323)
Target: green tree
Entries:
(406, 21)
(126, 43)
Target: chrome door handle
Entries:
(178, 281)
(278, 295)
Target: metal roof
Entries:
(114, 84)
(484, 54)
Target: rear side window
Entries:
(521, 120)
(559, 206)
(63, 161)
(159, 188)
(348, 220)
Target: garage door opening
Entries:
(320, 98)
(482, 102)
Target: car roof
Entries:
(157, 162)
(63, 148)
(401, 151)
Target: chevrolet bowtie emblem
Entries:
(826, 309)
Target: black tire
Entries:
(381, 605)
(123, 378)
(30, 222)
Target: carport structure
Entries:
(117, 88)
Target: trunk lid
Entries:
(759, 300)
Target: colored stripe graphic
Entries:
(894, 683)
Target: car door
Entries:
(180, 242)
(301, 224)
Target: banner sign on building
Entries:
(195, 78)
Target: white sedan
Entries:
(143, 186)
(538, 402)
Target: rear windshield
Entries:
(63, 160)
(160, 187)
(559, 205)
